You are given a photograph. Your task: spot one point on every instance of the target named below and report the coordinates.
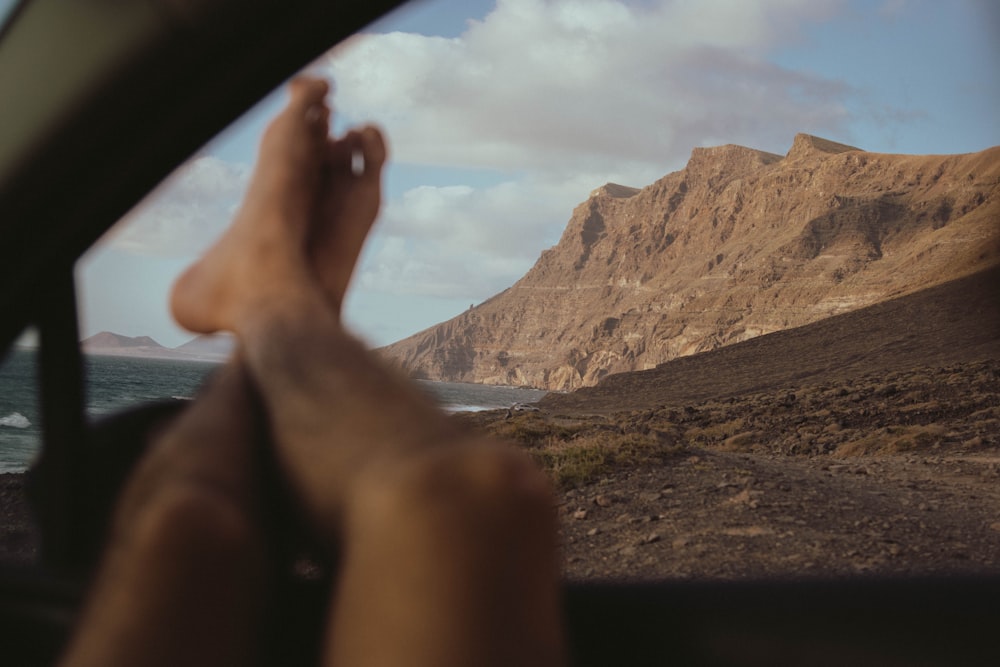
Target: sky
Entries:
(503, 116)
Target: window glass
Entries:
(6, 11)
(503, 119)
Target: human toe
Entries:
(373, 148)
(307, 91)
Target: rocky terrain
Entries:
(864, 444)
(738, 244)
(878, 458)
(958, 321)
(843, 478)
(862, 477)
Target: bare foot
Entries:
(261, 257)
(447, 541)
(307, 205)
(348, 205)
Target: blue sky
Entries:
(502, 116)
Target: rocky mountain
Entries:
(737, 244)
(107, 342)
(201, 348)
(216, 347)
(948, 326)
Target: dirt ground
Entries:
(887, 474)
(892, 473)
(722, 515)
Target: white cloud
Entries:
(186, 212)
(570, 94)
(585, 83)
(560, 95)
(459, 241)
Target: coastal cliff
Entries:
(737, 244)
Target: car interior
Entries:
(100, 101)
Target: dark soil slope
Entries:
(955, 322)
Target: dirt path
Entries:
(722, 515)
(889, 473)
(725, 515)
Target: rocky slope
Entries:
(957, 322)
(110, 343)
(866, 443)
(215, 347)
(737, 244)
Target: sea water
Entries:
(113, 383)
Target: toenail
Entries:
(357, 162)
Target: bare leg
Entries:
(449, 553)
(182, 580)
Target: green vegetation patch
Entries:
(715, 433)
(575, 452)
(531, 430)
(895, 440)
(592, 456)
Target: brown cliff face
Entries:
(737, 244)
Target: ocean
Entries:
(113, 383)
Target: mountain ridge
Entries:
(214, 348)
(110, 340)
(737, 244)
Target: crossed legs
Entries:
(447, 540)
(182, 580)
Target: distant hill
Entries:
(738, 244)
(202, 348)
(215, 347)
(954, 323)
(112, 341)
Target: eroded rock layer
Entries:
(738, 244)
